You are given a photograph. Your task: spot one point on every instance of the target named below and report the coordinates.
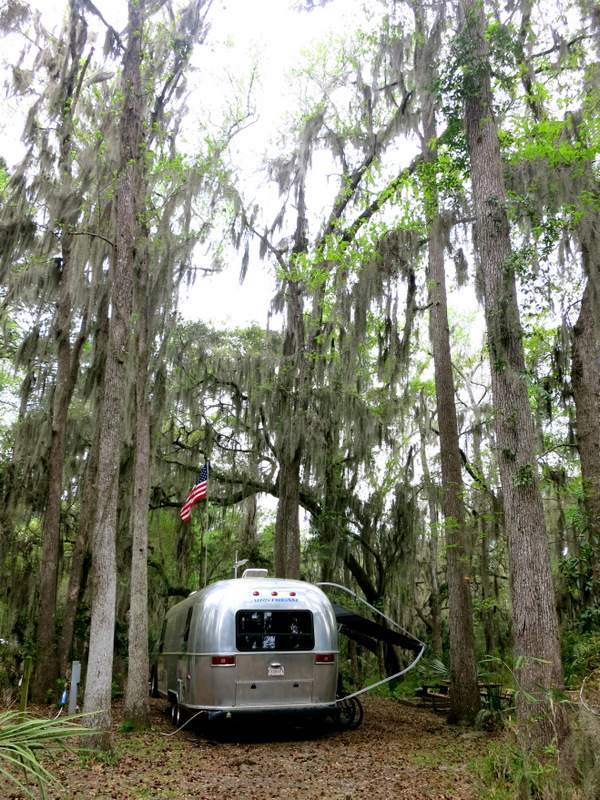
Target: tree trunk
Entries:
(585, 380)
(46, 670)
(293, 399)
(534, 613)
(465, 700)
(334, 506)
(137, 703)
(104, 567)
(287, 541)
(249, 532)
(137, 707)
(86, 515)
(435, 602)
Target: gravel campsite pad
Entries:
(400, 751)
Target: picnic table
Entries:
(437, 696)
(493, 695)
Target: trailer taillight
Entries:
(325, 658)
(223, 661)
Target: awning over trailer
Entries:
(369, 628)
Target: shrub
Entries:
(508, 772)
(24, 740)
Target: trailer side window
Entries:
(274, 630)
(186, 630)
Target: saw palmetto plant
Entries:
(27, 743)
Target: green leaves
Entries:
(524, 476)
(24, 741)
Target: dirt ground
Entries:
(400, 751)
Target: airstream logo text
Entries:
(267, 599)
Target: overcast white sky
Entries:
(241, 30)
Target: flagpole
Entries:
(206, 516)
(202, 566)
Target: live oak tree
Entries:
(155, 234)
(321, 343)
(92, 231)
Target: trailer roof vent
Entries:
(255, 573)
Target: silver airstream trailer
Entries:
(249, 644)
(264, 644)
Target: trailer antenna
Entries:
(237, 564)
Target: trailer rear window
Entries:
(274, 630)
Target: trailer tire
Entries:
(358, 715)
(175, 712)
(350, 713)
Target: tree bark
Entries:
(585, 381)
(137, 703)
(290, 439)
(104, 567)
(287, 541)
(535, 621)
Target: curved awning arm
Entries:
(386, 680)
(381, 614)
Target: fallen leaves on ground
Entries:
(400, 751)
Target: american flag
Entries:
(198, 491)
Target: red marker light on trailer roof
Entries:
(255, 594)
(292, 594)
(274, 594)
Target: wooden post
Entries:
(25, 684)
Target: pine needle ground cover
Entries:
(400, 751)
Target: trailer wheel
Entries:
(175, 712)
(346, 712)
(350, 713)
(358, 715)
